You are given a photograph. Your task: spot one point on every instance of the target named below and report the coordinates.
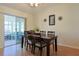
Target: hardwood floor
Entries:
(16, 50)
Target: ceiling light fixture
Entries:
(34, 4)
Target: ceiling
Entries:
(25, 7)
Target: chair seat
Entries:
(52, 41)
(38, 44)
(29, 42)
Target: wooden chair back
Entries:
(51, 33)
(43, 33)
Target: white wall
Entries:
(1, 30)
(5, 10)
(67, 29)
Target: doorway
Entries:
(13, 29)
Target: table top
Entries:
(43, 37)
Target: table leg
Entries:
(56, 44)
(22, 41)
(48, 49)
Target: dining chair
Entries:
(31, 42)
(27, 40)
(40, 44)
(51, 34)
(43, 33)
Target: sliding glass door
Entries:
(14, 29)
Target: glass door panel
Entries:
(9, 26)
(19, 29)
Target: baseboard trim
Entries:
(68, 46)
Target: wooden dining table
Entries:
(47, 39)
